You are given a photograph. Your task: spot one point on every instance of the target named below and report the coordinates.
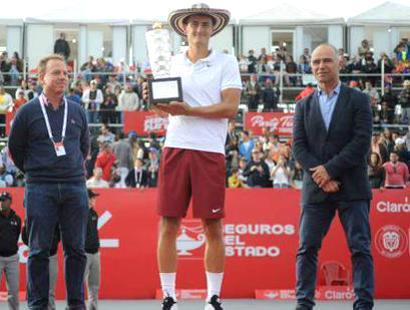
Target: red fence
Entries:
(261, 235)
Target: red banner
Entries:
(276, 122)
(145, 123)
(261, 237)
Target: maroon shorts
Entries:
(188, 173)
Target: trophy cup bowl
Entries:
(162, 88)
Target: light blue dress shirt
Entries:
(327, 104)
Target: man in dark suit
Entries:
(332, 133)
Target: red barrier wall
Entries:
(261, 233)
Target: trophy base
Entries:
(165, 90)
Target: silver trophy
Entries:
(163, 88)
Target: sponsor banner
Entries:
(145, 123)
(185, 294)
(261, 237)
(325, 293)
(276, 122)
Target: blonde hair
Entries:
(44, 61)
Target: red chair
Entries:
(335, 274)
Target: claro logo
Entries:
(393, 207)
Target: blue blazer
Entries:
(343, 149)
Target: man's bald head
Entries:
(325, 47)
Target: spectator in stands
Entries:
(128, 100)
(297, 176)
(375, 171)
(21, 100)
(397, 173)
(113, 82)
(73, 96)
(401, 149)
(4, 68)
(388, 63)
(252, 62)
(108, 109)
(253, 93)
(61, 46)
(33, 90)
(364, 48)
(232, 138)
(263, 61)
(138, 176)
(246, 146)
(275, 147)
(277, 64)
(387, 140)
(270, 97)
(6, 103)
(96, 181)
(243, 64)
(374, 100)
(24, 88)
(106, 161)
(106, 135)
(234, 181)
(257, 171)
(241, 168)
(281, 173)
(291, 69)
(379, 148)
(92, 156)
(123, 153)
(153, 167)
(388, 103)
(404, 101)
(88, 68)
(369, 67)
(402, 51)
(372, 93)
(15, 70)
(92, 98)
(345, 68)
(6, 178)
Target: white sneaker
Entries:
(169, 304)
(214, 303)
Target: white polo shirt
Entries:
(202, 85)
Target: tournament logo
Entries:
(391, 241)
(191, 238)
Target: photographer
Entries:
(257, 171)
(10, 226)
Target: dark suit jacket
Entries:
(343, 149)
(131, 181)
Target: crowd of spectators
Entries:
(252, 161)
(265, 161)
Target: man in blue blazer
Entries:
(332, 133)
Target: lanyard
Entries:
(43, 109)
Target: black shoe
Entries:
(169, 304)
(214, 303)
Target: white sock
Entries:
(214, 283)
(168, 284)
